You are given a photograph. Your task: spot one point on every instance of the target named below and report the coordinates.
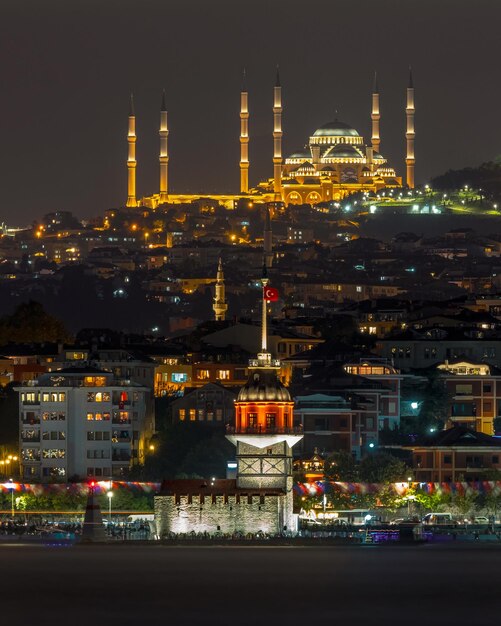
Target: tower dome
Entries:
(264, 386)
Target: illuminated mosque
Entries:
(335, 163)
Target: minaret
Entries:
(277, 139)
(375, 116)
(268, 240)
(244, 138)
(220, 307)
(264, 433)
(164, 154)
(410, 134)
(131, 158)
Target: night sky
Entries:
(67, 68)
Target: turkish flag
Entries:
(270, 294)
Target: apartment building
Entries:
(81, 422)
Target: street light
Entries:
(109, 495)
(409, 497)
(10, 485)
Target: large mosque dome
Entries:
(336, 129)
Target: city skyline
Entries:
(77, 103)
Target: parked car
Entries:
(439, 519)
(481, 519)
(404, 521)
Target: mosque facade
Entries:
(335, 163)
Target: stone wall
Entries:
(225, 514)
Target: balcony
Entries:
(124, 457)
(31, 421)
(295, 430)
(35, 439)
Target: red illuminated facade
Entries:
(264, 405)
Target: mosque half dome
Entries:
(336, 129)
(346, 151)
(264, 386)
(300, 154)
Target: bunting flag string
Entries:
(316, 488)
(79, 489)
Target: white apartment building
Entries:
(82, 422)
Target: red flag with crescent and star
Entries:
(270, 294)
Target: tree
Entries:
(382, 468)
(209, 458)
(175, 452)
(30, 323)
(341, 466)
(435, 402)
(9, 418)
(431, 501)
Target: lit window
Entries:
(102, 396)
(182, 415)
(90, 417)
(223, 374)
(179, 377)
(94, 381)
(193, 415)
(203, 374)
(54, 453)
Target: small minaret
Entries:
(277, 139)
(220, 307)
(131, 158)
(410, 133)
(267, 240)
(164, 153)
(244, 137)
(375, 116)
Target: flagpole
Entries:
(264, 331)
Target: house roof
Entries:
(460, 436)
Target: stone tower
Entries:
(410, 133)
(131, 158)
(264, 433)
(244, 138)
(277, 139)
(164, 153)
(220, 307)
